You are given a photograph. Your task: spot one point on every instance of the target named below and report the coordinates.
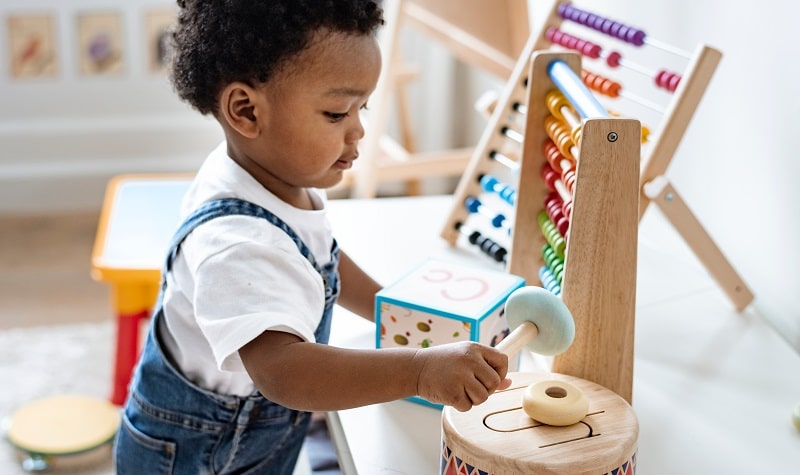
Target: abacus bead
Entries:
(554, 207)
(492, 249)
(673, 83)
(488, 182)
(548, 281)
(498, 221)
(667, 80)
(636, 37)
(472, 204)
(508, 194)
(609, 27)
(563, 225)
(613, 60)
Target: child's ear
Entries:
(239, 107)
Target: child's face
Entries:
(310, 132)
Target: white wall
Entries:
(738, 166)
(61, 138)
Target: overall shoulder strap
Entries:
(226, 207)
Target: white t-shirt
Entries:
(238, 276)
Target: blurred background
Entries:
(83, 97)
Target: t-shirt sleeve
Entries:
(248, 282)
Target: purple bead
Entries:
(614, 30)
(638, 37)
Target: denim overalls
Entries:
(172, 426)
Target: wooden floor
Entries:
(44, 271)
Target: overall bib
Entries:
(172, 426)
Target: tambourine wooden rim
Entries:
(63, 425)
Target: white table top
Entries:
(143, 216)
(713, 389)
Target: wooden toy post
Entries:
(599, 276)
(501, 140)
(488, 34)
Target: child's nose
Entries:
(356, 133)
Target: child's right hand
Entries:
(461, 374)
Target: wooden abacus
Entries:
(502, 142)
(487, 34)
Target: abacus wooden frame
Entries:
(654, 185)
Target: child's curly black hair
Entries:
(217, 42)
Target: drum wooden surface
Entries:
(497, 437)
(63, 425)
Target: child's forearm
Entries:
(315, 377)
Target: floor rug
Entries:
(49, 361)
(77, 359)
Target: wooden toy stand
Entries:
(599, 284)
(488, 34)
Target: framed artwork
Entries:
(158, 30)
(32, 45)
(100, 45)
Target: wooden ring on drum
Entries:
(555, 403)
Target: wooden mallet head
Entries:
(539, 320)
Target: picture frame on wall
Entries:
(32, 46)
(100, 43)
(158, 30)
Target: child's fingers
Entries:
(498, 361)
(477, 392)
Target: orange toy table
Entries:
(140, 214)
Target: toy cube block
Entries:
(441, 302)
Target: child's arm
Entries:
(315, 377)
(357, 288)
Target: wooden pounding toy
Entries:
(542, 323)
(54, 428)
(497, 437)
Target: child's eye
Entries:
(336, 116)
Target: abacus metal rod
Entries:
(575, 91)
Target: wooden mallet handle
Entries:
(521, 336)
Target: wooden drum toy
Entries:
(498, 437)
(544, 423)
